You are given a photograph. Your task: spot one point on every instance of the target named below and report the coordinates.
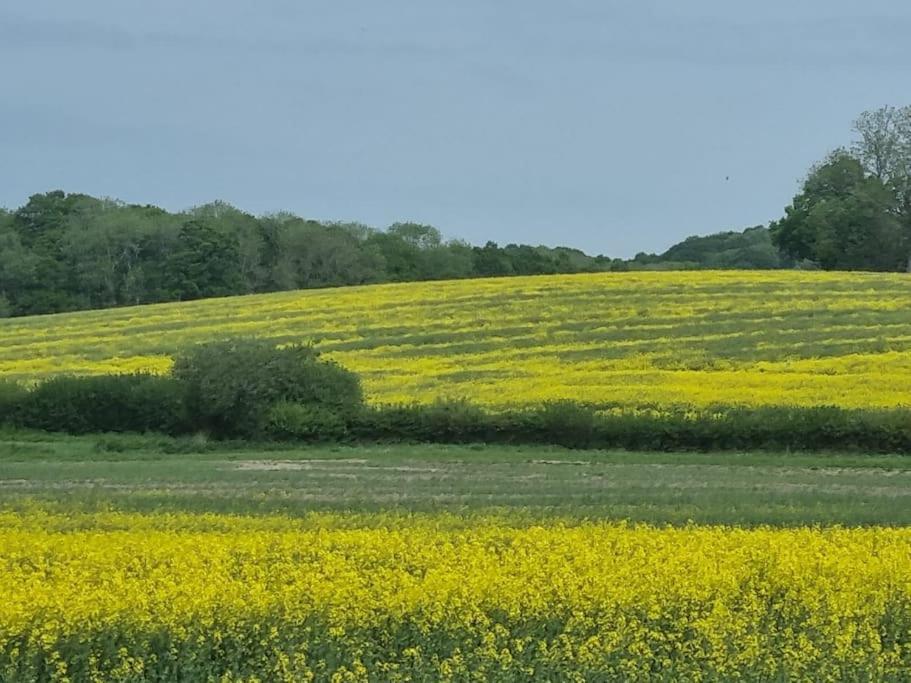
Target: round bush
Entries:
(232, 386)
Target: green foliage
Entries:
(751, 249)
(249, 390)
(854, 209)
(416, 235)
(63, 252)
(232, 386)
(12, 395)
(565, 423)
(883, 146)
(104, 403)
(575, 425)
(843, 219)
(439, 422)
(291, 421)
(205, 263)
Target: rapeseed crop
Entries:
(612, 339)
(336, 597)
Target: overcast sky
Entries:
(613, 126)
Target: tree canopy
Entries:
(62, 252)
(750, 249)
(853, 211)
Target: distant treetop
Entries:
(64, 252)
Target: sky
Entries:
(611, 126)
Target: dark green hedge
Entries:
(578, 426)
(308, 400)
(104, 403)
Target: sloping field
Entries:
(615, 339)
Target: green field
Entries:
(154, 474)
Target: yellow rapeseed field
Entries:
(119, 597)
(615, 339)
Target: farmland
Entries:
(163, 559)
(416, 599)
(540, 483)
(148, 557)
(612, 340)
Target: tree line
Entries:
(62, 252)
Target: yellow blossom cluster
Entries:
(610, 339)
(341, 597)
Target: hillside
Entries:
(614, 339)
(64, 252)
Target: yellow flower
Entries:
(620, 340)
(113, 596)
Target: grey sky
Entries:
(606, 125)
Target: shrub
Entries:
(459, 421)
(104, 403)
(440, 422)
(575, 425)
(232, 386)
(287, 421)
(11, 397)
(254, 390)
(769, 428)
(564, 423)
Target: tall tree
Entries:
(401, 258)
(491, 261)
(418, 235)
(17, 267)
(843, 219)
(41, 224)
(243, 229)
(883, 145)
(205, 263)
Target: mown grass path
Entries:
(136, 473)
